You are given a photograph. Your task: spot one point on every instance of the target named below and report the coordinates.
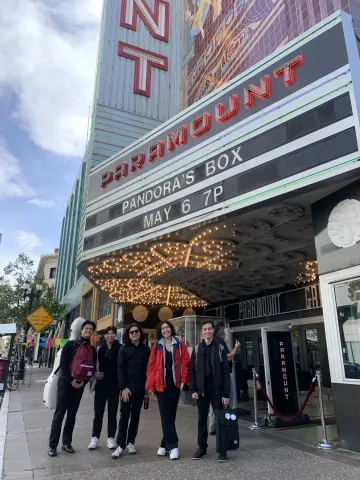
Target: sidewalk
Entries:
(264, 454)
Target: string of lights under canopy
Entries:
(180, 273)
(152, 275)
(310, 274)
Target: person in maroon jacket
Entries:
(167, 373)
(70, 391)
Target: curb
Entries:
(4, 410)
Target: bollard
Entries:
(324, 443)
(233, 394)
(255, 425)
(31, 369)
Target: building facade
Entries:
(224, 216)
(230, 36)
(47, 267)
(139, 62)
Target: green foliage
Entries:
(354, 290)
(13, 306)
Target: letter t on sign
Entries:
(288, 70)
(144, 61)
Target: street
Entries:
(265, 454)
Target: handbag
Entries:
(227, 430)
(186, 387)
(94, 379)
(50, 390)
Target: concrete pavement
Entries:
(265, 454)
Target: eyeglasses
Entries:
(134, 332)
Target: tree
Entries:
(13, 306)
(354, 290)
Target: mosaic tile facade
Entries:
(225, 37)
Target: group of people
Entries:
(127, 373)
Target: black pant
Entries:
(168, 403)
(204, 402)
(68, 400)
(129, 410)
(102, 395)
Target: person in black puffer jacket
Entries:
(132, 364)
(106, 389)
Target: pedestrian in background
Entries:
(106, 388)
(131, 370)
(168, 372)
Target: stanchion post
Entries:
(324, 443)
(255, 425)
(31, 369)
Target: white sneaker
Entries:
(174, 454)
(111, 444)
(131, 449)
(93, 443)
(161, 452)
(117, 453)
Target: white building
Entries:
(47, 267)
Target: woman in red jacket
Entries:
(167, 373)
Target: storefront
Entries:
(216, 209)
(298, 310)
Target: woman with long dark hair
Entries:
(131, 369)
(106, 388)
(167, 373)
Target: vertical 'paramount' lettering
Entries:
(157, 23)
(144, 61)
(284, 370)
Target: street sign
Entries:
(39, 319)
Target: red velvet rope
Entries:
(294, 417)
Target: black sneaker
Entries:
(222, 458)
(68, 449)
(199, 454)
(52, 452)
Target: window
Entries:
(104, 305)
(52, 272)
(88, 306)
(347, 297)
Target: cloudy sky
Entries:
(48, 51)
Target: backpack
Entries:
(82, 366)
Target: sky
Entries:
(48, 51)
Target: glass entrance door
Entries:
(310, 354)
(312, 350)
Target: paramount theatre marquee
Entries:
(288, 124)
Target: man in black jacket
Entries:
(69, 392)
(132, 364)
(209, 383)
